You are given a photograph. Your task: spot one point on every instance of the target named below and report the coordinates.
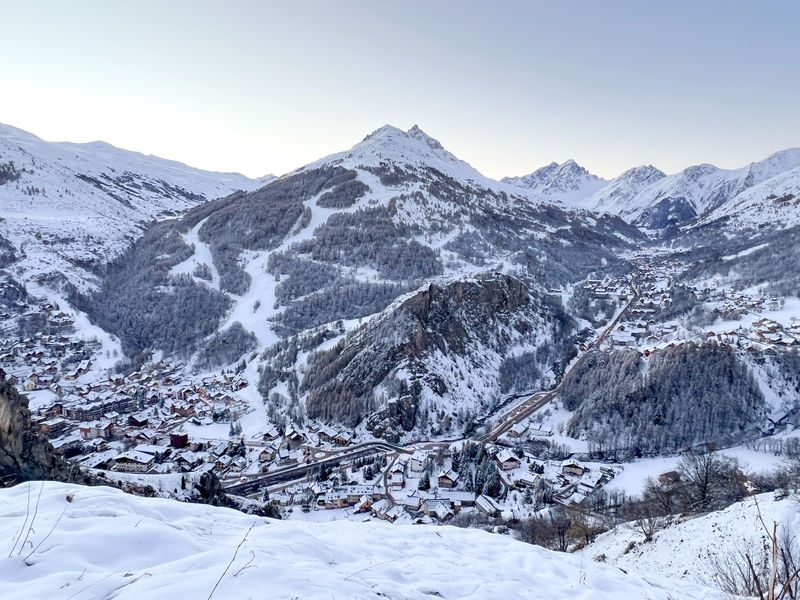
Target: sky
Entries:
(265, 87)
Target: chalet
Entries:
(448, 479)
(218, 450)
(364, 504)
(293, 438)
(141, 435)
(69, 445)
(343, 438)
(266, 454)
(96, 429)
(572, 467)
(270, 433)
(590, 481)
(397, 476)
(54, 410)
(507, 460)
(326, 434)
(333, 499)
(440, 508)
(187, 461)
(178, 439)
(455, 497)
(286, 457)
(31, 383)
(183, 393)
(419, 461)
(138, 420)
(112, 416)
(183, 409)
(134, 462)
(518, 430)
(487, 506)
(384, 509)
(540, 430)
(53, 427)
(411, 501)
(99, 460)
(356, 492)
(223, 462)
(573, 499)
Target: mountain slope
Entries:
(689, 548)
(67, 208)
(432, 361)
(774, 202)
(95, 550)
(621, 191)
(343, 237)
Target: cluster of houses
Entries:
(137, 422)
(772, 334)
(47, 354)
(396, 494)
(736, 304)
(641, 330)
(610, 288)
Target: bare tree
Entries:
(768, 570)
(710, 480)
(663, 495)
(647, 518)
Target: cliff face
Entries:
(24, 453)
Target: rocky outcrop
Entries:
(431, 354)
(24, 453)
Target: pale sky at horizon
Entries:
(263, 87)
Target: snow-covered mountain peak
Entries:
(778, 162)
(642, 173)
(414, 145)
(412, 150)
(567, 182)
(417, 133)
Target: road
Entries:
(540, 399)
(291, 473)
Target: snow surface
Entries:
(101, 543)
(687, 549)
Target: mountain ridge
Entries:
(67, 208)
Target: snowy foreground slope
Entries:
(109, 544)
(688, 548)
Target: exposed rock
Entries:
(24, 453)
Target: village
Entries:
(749, 320)
(434, 485)
(163, 419)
